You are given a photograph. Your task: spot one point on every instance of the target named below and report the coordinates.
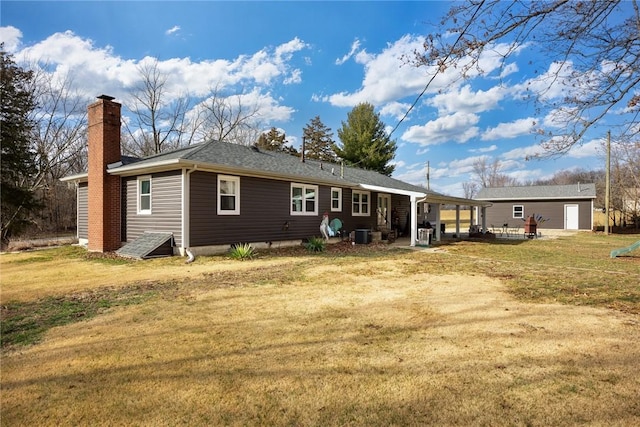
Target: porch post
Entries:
(458, 220)
(438, 234)
(483, 209)
(414, 220)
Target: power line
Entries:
(446, 58)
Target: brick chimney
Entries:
(104, 189)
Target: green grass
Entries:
(24, 323)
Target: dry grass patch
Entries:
(374, 338)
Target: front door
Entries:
(384, 210)
(571, 217)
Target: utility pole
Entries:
(428, 185)
(607, 190)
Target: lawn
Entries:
(543, 332)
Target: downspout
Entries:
(186, 214)
(77, 184)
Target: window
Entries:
(518, 211)
(228, 195)
(336, 199)
(360, 203)
(144, 195)
(304, 199)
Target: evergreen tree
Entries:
(365, 142)
(319, 141)
(274, 140)
(17, 158)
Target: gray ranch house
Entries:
(560, 207)
(208, 196)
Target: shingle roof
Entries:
(247, 159)
(532, 192)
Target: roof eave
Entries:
(79, 177)
(380, 189)
(506, 199)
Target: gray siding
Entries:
(264, 212)
(502, 212)
(166, 204)
(83, 210)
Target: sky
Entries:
(297, 60)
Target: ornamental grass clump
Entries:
(315, 244)
(242, 251)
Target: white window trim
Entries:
(361, 193)
(513, 211)
(235, 179)
(139, 195)
(339, 208)
(304, 187)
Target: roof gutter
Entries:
(450, 200)
(79, 177)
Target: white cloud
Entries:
(593, 148)
(354, 48)
(523, 175)
(386, 79)
(457, 127)
(412, 176)
(466, 101)
(285, 51)
(97, 70)
(523, 153)
(560, 79)
(394, 109)
(172, 30)
(509, 69)
(510, 130)
(11, 37)
(461, 166)
(484, 149)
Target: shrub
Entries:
(315, 244)
(242, 251)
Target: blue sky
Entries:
(298, 60)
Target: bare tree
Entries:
(470, 189)
(594, 46)
(626, 180)
(228, 119)
(158, 122)
(59, 141)
(489, 174)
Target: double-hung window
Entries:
(228, 195)
(360, 202)
(336, 199)
(304, 199)
(144, 195)
(518, 211)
